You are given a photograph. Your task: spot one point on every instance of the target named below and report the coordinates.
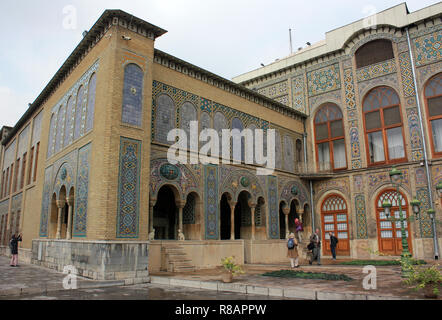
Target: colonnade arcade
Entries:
(61, 211)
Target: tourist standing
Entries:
(315, 240)
(292, 250)
(333, 244)
(13, 244)
(298, 228)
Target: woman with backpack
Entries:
(292, 250)
(13, 244)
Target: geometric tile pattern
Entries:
(211, 201)
(274, 90)
(421, 178)
(425, 221)
(414, 128)
(428, 48)
(323, 80)
(298, 102)
(377, 179)
(376, 70)
(350, 101)
(283, 99)
(129, 188)
(81, 194)
(406, 74)
(273, 216)
(45, 203)
(361, 219)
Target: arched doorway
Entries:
(389, 233)
(292, 216)
(191, 217)
(165, 217)
(243, 219)
(225, 216)
(334, 216)
(260, 220)
(53, 216)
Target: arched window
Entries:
(67, 129)
(60, 127)
(433, 99)
(329, 135)
(289, 157)
(91, 103)
(374, 52)
(51, 133)
(164, 118)
(132, 95)
(383, 127)
(78, 112)
(298, 151)
(187, 113)
(389, 232)
(334, 216)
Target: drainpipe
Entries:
(436, 246)
(312, 208)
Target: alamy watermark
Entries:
(248, 147)
(70, 281)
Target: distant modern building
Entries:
(86, 180)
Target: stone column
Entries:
(232, 220)
(180, 206)
(151, 229)
(286, 212)
(70, 202)
(60, 206)
(252, 216)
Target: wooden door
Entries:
(389, 232)
(334, 216)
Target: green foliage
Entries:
(307, 275)
(420, 277)
(379, 262)
(229, 264)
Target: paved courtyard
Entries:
(30, 281)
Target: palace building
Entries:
(85, 176)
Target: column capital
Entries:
(232, 204)
(152, 202)
(60, 203)
(286, 210)
(180, 204)
(252, 204)
(70, 201)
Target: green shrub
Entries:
(307, 275)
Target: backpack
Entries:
(310, 246)
(291, 243)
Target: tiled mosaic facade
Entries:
(376, 70)
(426, 229)
(68, 127)
(323, 80)
(129, 188)
(273, 203)
(82, 192)
(428, 48)
(406, 75)
(133, 95)
(350, 101)
(361, 219)
(211, 201)
(274, 90)
(298, 99)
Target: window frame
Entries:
(383, 129)
(429, 118)
(330, 139)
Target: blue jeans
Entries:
(333, 251)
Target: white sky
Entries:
(226, 37)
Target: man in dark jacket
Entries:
(333, 244)
(13, 244)
(315, 239)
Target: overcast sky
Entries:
(226, 37)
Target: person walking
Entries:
(299, 229)
(292, 250)
(13, 244)
(333, 244)
(315, 241)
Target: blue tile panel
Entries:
(45, 204)
(81, 196)
(78, 112)
(211, 202)
(273, 215)
(129, 188)
(132, 95)
(91, 103)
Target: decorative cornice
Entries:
(193, 71)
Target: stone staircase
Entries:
(175, 259)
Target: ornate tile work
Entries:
(323, 80)
(65, 176)
(91, 103)
(426, 72)
(424, 221)
(81, 196)
(334, 184)
(211, 202)
(315, 102)
(421, 179)
(356, 164)
(361, 219)
(230, 181)
(189, 211)
(376, 70)
(414, 128)
(417, 155)
(274, 90)
(390, 80)
(133, 95)
(402, 46)
(354, 141)
(298, 100)
(406, 74)
(45, 203)
(283, 99)
(377, 179)
(350, 99)
(358, 183)
(428, 48)
(273, 216)
(129, 188)
(291, 190)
